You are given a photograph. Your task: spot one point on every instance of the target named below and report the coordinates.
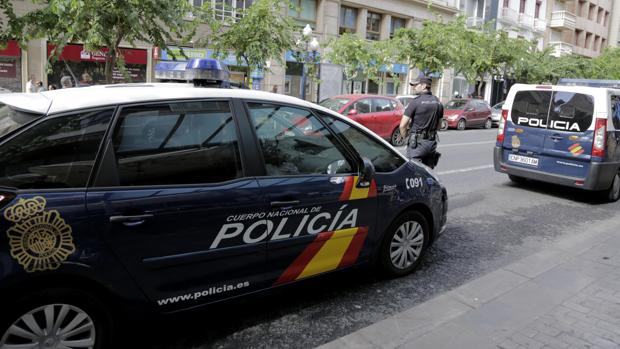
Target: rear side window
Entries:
(531, 108)
(571, 111)
(56, 153)
(615, 111)
(177, 143)
(383, 158)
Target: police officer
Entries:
(420, 122)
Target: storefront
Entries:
(293, 77)
(11, 68)
(237, 68)
(392, 82)
(88, 68)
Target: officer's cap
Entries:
(421, 80)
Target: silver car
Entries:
(496, 113)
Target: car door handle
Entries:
(556, 138)
(130, 221)
(280, 204)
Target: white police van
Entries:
(567, 135)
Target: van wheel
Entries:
(488, 124)
(461, 125)
(56, 318)
(613, 193)
(517, 179)
(404, 244)
(395, 139)
(444, 125)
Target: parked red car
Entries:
(462, 113)
(378, 113)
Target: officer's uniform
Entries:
(422, 140)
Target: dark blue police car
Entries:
(171, 197)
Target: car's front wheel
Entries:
(404, 244)
(58, 318)
(461, 125)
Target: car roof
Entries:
(58, 101)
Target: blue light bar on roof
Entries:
(195, 69)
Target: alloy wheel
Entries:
(406, 245)
(52, 326)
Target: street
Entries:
(491, 223)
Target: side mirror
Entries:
(352, 112)
(367, 174)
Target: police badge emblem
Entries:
(516, 143)
(39, 240)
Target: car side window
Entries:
(615, 111)
(362, 106)
(295, 142)
(571, 111)
(383, 158)
(177, 143)
(55, 153)
(381, 105)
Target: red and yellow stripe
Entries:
(329, 251)
(576, 149)
(352, 192)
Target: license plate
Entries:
(523, 159)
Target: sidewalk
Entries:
(567, 296)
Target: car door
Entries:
(384, 116)
(526, 128)
(320, 211)
(174, 202)
(49, 165)
(568, 144)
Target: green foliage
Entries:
(104, 23)
(11, 26)
(607, 65)
(263, 33)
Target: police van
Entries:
(165, 197)
(567, 135)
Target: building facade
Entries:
(580, 27)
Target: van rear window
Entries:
(561, 111)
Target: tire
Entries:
(413, 227)
(444, 125)
(395, 138)
(461, 125)
(488, 124)
(96, 324)
(517, 179)
(613, 193)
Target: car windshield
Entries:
(12, 119)
(334, 103)
(456, 104)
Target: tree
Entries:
(11, 26)
(607, 65)
(102, 25)
(258, 36)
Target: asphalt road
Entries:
(491, 222)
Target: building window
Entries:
(592, 12)
(348, 20)
(522, 6)
(305, 11)
(588, 43)
(537, 10)
(373, 26)
(397, 23)
(225, 9)
(506, 3)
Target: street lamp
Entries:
(307, 55)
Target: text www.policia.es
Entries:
(199, 294)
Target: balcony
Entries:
(561, 48)
(526, 20)
(475, 22)
(540, 24)
(509, 15)
(563, 20)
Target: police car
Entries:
(567, 135)
(165, 197)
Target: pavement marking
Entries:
(463, 144)
(468, 169)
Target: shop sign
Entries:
(8, 70)
(11, 50)
(77, 53)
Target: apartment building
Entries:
(614, 26)
(579, 27)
